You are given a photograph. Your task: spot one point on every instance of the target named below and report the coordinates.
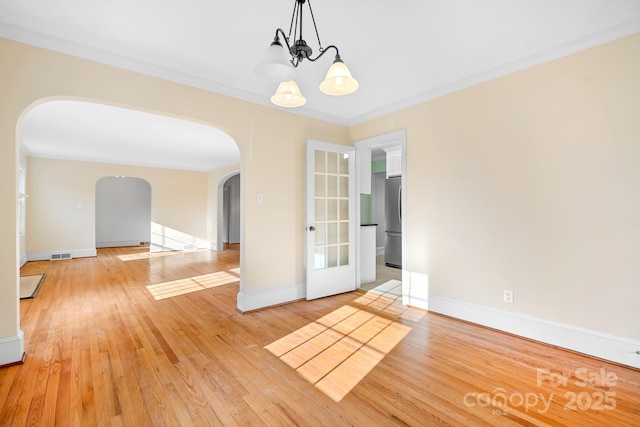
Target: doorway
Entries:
(386, 158)
(228, 212)
(231, 211)
(123, 212)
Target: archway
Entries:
(228, 208)
(58, 129)
(16, 347)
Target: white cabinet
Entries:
(367, 254)
(394, 161)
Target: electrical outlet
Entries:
(507, 296)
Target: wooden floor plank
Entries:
(103, 349)
(7, 379)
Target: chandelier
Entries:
(279, 64)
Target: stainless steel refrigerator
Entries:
(393, 222)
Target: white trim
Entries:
(625, 29)
(177, 246)
(34, 38)
(257, 300)
(126, 162)
(23, 260)
(11, 349)
(113, 59)
(396, 138)
(605, 346)
(383, 141)
(119, 243)
(219, 244)
(75, 253)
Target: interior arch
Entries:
(31, 140)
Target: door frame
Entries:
(387, 140)
(220, 208)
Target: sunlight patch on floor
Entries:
(391, 288)
(338, 350)
(190, 284)
(389, 304)
(147, 255)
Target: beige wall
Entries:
(531, 182)
(271, 144)
(57, 188)
(22, 239)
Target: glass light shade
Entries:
(288, 95)
(275, 64)
(339, 80)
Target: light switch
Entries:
(259, 198)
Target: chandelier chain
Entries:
(294, 19)
(315, 27)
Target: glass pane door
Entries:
(331, 200)
(331, 223)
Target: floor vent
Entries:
(60, 256)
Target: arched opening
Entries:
(228, 226)
(178, 157)
(70, 218)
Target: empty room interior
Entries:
(333, 214)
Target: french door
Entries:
(330, 219)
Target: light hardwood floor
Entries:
(133, 339)
(384, 275)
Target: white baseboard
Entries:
(379, 250)
(75, 253)
(609, 347)
(11, 349)
(179, 246)
(415, 301)
(120, 243)
(257, 300)
(23, 260)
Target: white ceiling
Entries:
(95, 132)
(402, 52)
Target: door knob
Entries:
(312, 228)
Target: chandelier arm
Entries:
(293, 61)
(323, 51)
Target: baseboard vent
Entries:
(60, 256)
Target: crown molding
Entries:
(625, 29)
(67, 47)
(215, 167)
